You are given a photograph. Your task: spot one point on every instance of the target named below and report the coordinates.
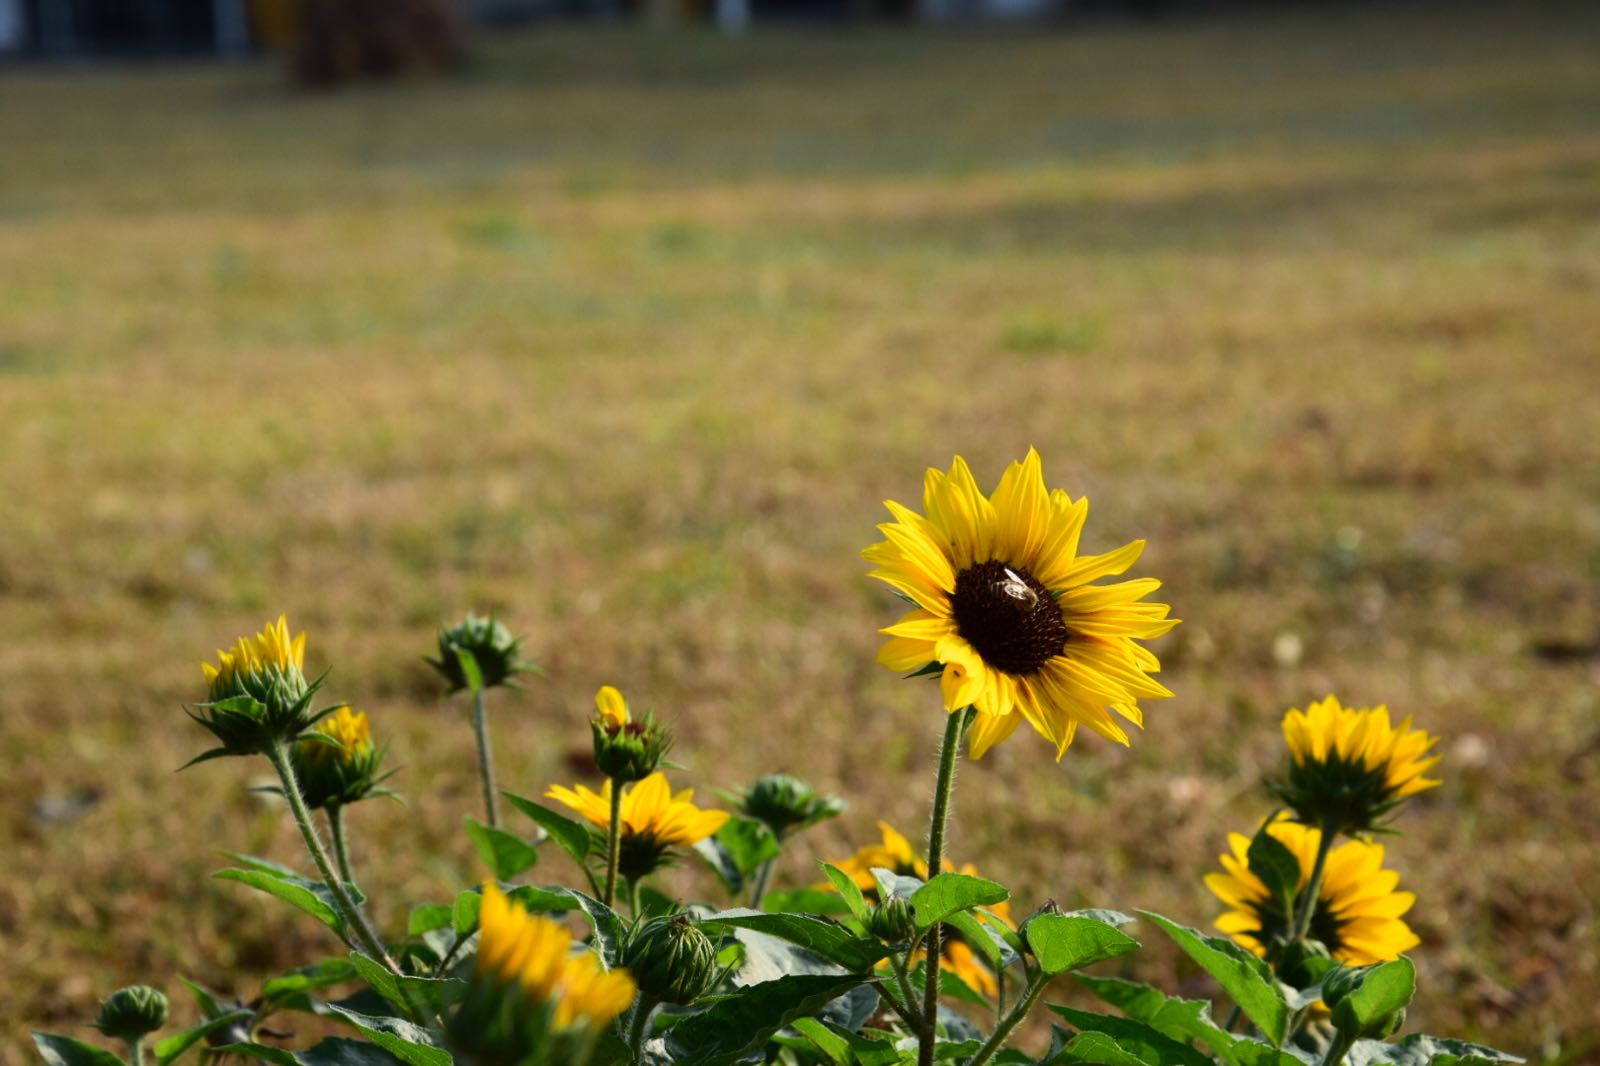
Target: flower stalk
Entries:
(480, 726)
(341, 847)
(949, 755)
(278, 754)
(613, 842)
(997, 1039)
(1307, 904)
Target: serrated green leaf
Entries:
(608, 928)
(1062, 942)
(846, 1048)
(1382, 990)
(1243, 976)
(506, 854)
(573, 837)
(427, 917)
(848, 890)
(1417, 1049)
(821, 936)
(749, 844)
(1181, 1019)
(308, 979)
(464, 913)
(1134, 1036)
(411, 1044)
(737, 1025)
(416, 997)
(66, 1051)
(296, 891)
(1102, 1050)
(804, 901)
(949, 893)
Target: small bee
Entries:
(1012, 585)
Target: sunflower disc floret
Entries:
(1007, 613)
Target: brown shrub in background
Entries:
(346, 40)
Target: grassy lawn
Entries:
(626, 338)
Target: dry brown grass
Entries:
(628, 341)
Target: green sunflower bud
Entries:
(786, 803)
(893, 921)
(493, 649)
(342, 772)
(257, 692)
(132, 1013)
(672, 961)
(630, 750)
(1302, 963)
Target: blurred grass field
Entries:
(626, 337)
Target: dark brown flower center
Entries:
(1012, 620)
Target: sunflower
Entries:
(1005, 606)
(896, 854)
(533, 999)
(343, 772)
(249, 667)
(1349, 767)
(654, 821)
(1358, 910)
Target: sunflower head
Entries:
(257, 692)
(1358, 911)
(132, 1013)
(654, 821)
(1350, 768)
(341, 769)
(784, 803)
(673, 961)
(532, 1000)
(1006, 612)
(626, 748)
(489, 645)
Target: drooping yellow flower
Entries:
(348, 727)
(654, 821)
(1349, 767)
(271, 649)
(1005, 604)
(535, 954)
(611, 707)
(1358, 910)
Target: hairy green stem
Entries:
(636, 1028)
(136, 1051)
(613, 842)
(760, 888)
(1337, 1049)
(903, 979)
(949, 755)
(480, 725)
(1307, 905)
(633, 897)
(278, 754)
(1012, 1020)
(341, 846)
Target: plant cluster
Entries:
(890, 956)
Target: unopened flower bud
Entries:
(131, 1013)
(672, 961)
(894, 921)
(496, 652)
(340, 772)
(784, 803)
(626, 748)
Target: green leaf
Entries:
(845, 1048)
(1143, 1040)
(417, 997)
(848, 890)
(826, 938)
(168, 1049)
(331, 1051)
(1276, 866)
(741, 1024)
(949, 893)
(1100, 1049)
(464, 914)
(749, 842)
(721, 861)
(1382, 990)
(411, 1044)
(469, 669)
(308, 979)
(506, 854)
(978, 937)
(1243, 976)
(427, 917)
(1062, 942)
(572, 836)
(1181, 1019)
(804, 901)
(65, 1051)
(311, 897)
